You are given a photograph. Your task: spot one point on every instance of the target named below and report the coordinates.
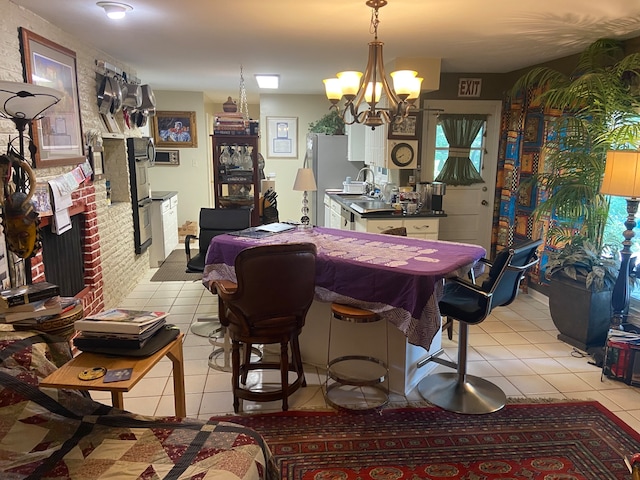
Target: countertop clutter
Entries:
(370, 207)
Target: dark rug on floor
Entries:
(173, 268)
(568, 441)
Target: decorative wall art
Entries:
(175, 129)
(282, 137)
(58, 135)
(409, 129)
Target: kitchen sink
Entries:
(371, 206)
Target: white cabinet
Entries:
(355, 142)
(164, 227)
(375, 146)
(420, 227)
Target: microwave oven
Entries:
(167, 157)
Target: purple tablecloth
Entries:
(398, 277)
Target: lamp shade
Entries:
(305, 181)
(26, 101)
(622, 174)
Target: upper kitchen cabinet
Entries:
(356, 142)
(375, 146)
(235, 167)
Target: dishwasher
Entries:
(348, 220)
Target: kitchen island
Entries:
(366, 214)
(400, 278)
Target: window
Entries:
(442, 149)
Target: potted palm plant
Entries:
(599, 102)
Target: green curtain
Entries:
(461, 131)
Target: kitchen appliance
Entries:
(141, 156)
(328, 154)
(431, 194)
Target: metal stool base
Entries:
(473, 396)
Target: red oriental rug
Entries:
(556, 441)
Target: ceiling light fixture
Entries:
(267, 80)
(356, 87)
(115, 10)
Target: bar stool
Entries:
(365, 371)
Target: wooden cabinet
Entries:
(419, 227)
(356, 142)
(235, 168)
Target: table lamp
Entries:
(305, 182)
(622, 179)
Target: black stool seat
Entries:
(470, 304)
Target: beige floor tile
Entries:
(532, 385)
(567, 382)
(516, 348)
(545, 365)
(497, 352)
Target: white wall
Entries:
(191, 178)
(307, 109)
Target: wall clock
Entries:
(403, 154)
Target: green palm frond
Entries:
(600, 101)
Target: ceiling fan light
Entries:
(115, 10)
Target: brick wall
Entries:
(112, 267)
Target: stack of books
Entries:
(32, 304)
(230, 123)
(118, 328)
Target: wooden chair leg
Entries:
(247, 361)
(235, 375)
(297, 357)
(284, 374)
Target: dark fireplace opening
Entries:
(63, 259)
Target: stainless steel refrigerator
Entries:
(328, 155)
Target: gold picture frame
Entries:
(174, 129)
(58, 135)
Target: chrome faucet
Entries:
(364, 178)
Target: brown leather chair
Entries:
(269, 304)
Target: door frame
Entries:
(493, 110)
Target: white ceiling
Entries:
(199, 45)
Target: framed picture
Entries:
(282, 137)
(58, 135)
(175, 129)
(409, 129)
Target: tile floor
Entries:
(516, 348)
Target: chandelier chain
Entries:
(244, 109)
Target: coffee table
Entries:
(67, 375)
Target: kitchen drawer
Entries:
(422, 227)
(174, 201)
(377, 225)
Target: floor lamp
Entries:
(622, 179)
(22, 103)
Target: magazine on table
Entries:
(120, 320)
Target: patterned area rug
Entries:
(558, 441)
(173, 268)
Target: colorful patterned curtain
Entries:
(461, 131)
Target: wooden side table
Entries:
(67, 375)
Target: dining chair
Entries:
(268, 305)
(471, 304)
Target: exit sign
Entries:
(469, 87)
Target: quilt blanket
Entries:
(59, 434)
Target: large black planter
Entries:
(581, 316)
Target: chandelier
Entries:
(357, 88)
